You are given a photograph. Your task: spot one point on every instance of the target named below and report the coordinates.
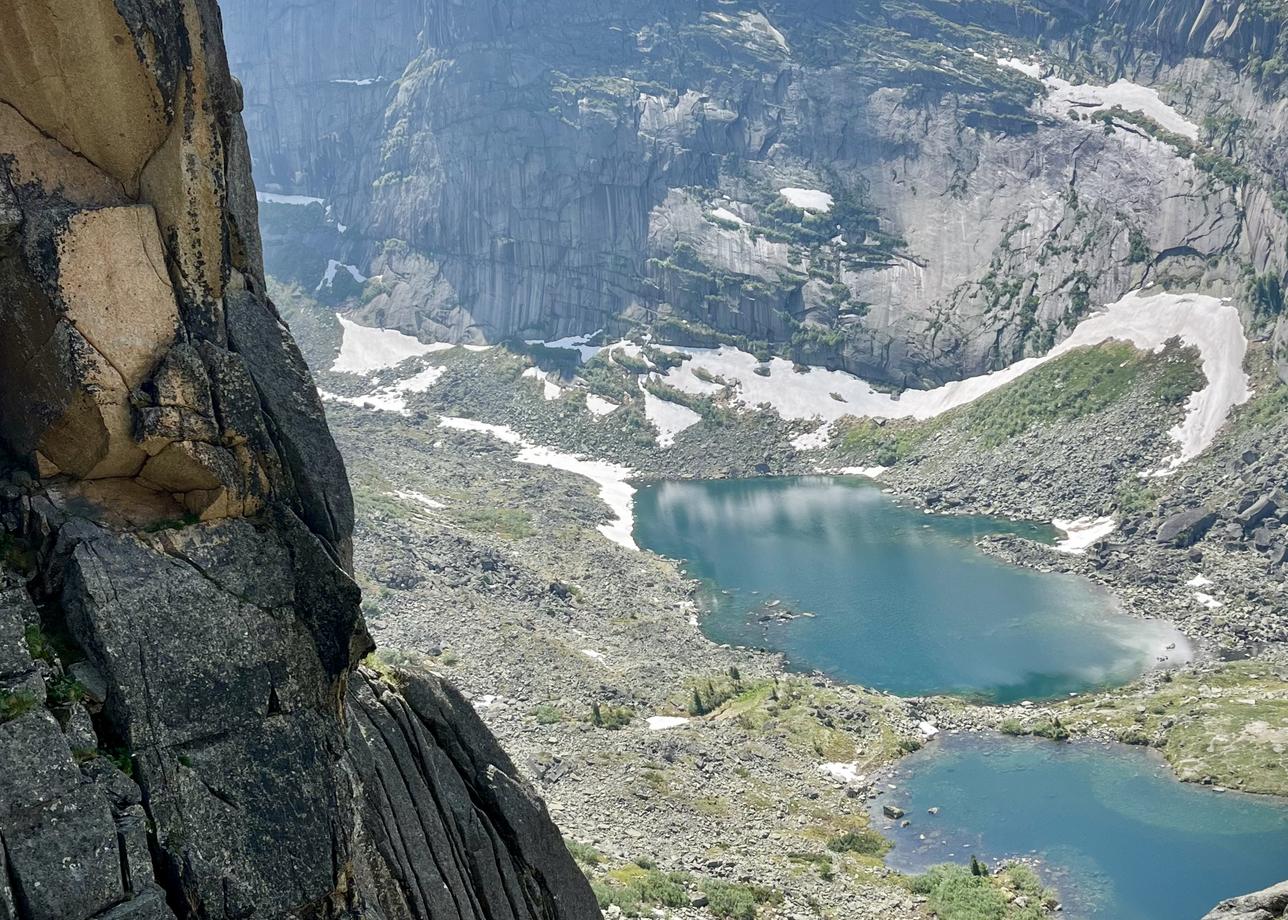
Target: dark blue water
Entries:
(1113, 830)
(903, 601)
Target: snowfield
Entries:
(364, 349)
(1089, 98)
(1146, 320)
(614, 489)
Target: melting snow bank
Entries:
(1082, 533)
(1147, 321)
(614, 490)
(364, 349)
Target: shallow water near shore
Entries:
(842, 579)
(1109, 825)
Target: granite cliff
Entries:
(185, 726)
(913, 191)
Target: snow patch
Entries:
(808, 199)
(1199, 581)
(614, 489)
(593, 655)
(1207, 600)
(1082, 533)
(842, 772)
(1028, 68)
(364, 349)
(420, 498)
(274, 198)
(576, 343)
(868, 472)
(661, 723)
(600, 406)
(333, 266)
(817, 439)
(392, 398)
(500, 432)
(668, 418)
(365, 81)
(549, 390)
(727, 215)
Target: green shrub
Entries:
(585, 854)
(16, 703)
(735, 901)
(546, 714)
(610, 717)
(865, 843)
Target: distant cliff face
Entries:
(184, 728)
(556, 166)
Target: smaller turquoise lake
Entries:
(1112, 830)
(841, 579)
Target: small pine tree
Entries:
(596, 717)
(734, 675)
(695, 705)
(977, 868)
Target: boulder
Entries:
(1186, 528)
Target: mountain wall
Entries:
(185, 727)
(556, 166)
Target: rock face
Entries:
(551, 167)
(186, 730)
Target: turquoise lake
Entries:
(841, 579)
(1116, 834)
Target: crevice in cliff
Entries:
(21, 904)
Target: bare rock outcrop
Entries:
(185, 730)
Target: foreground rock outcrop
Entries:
(1267, 904)
(185, 729)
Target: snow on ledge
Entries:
(615, 489)
(808, 199)
(300, 200)
(364, 349)
(1082, 533)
